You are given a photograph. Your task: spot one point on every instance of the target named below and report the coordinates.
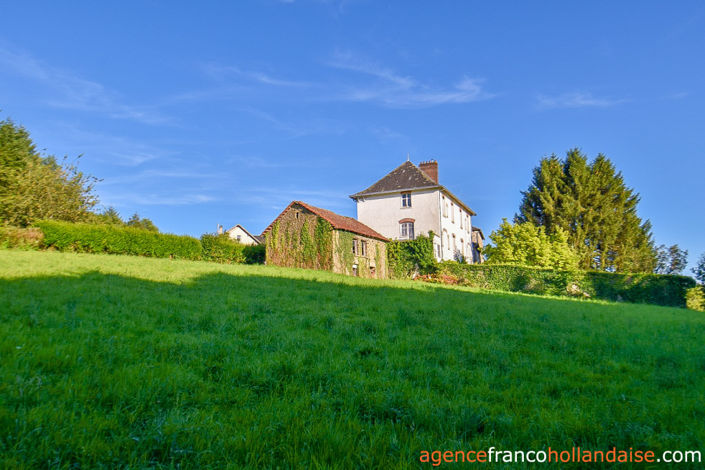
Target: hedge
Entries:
(23, 238)
(222, 249)
(667, 290)
(90, 238)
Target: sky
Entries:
(195, 114)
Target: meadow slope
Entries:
(112, 361)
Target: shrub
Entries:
(222, 249)
(15, 237)
(255, 254)
(88, 238)
(695, 298)
(404, 258)
(656, 289)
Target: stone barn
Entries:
(304, 236)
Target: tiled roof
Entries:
(405, 176)
(339, 222)
(478, 229)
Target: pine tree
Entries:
(591, 202)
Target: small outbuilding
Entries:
(239, 234)
(304, 236)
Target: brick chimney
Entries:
(430, 168)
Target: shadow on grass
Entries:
(260, 371)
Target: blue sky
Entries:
(224, 112)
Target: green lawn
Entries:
(124, 361)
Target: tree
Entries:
(670, 260)
(109, 216)
(592, 204)
(145, 224)
(33, 187)
(699, 269)
(529, 245)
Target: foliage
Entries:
(695, 298)
(91, 238)
(24, 238)
(528, 245)
(34, 187)
(670, 260)
(591, 202)
(222, 249)
(323, 237)
(109, 216)
(254, 254)
(143, 223)
(344, 250)
(404, 258)
(699, 269)
(147, 363)
(637, 288)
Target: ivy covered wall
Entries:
(302, 239)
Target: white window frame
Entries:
(405, 200)
(404, 232)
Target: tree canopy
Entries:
(529, 245)
(593, 205)
(33, 187)
(670, 260)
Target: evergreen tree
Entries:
(699, 270)
(670, 260)
(592, 204)
(137, 222)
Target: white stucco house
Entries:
(410, 201)
(241, 235)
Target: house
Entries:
(410, 201)
(241, 235)
(478, 241)
(304, 236)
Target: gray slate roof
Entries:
(405, 176)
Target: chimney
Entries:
(430, 168)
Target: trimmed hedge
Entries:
(255, 254)
(23, 238)
(222, 249)
(667, 290)
(90, 238)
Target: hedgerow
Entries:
(668, 290)
(404, 258)
(24, 238)
(90, 238)
(222, 249)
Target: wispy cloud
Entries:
(396, 90)
(576, 100)
(224, 72)
(155, 199)
(71, 91)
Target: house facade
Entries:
(239, 234)
(304, 236)
(409, 201)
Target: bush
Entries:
(88, 238)
(15, 237)
(255, 254)
(222, 249)
(655, 289)
(404, 258)
(695, 298)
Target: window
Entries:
(438, 250)
(462, 247)
(406, 199)
(238, 238)
(354, 247)
(452, 212)
(461, 220)
(454, 247)
(407, 230)
(363, 248)
(445, 207)
(355, 273)
(372, 270)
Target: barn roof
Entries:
(337, 221)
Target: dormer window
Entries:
(406, 199)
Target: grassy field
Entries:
(110, 361)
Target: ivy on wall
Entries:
(323, 238)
